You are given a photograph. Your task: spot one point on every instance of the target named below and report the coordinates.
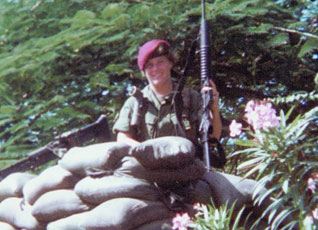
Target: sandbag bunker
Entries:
(113, 186)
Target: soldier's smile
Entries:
(158, 71)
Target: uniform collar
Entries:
(158, 102)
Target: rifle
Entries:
(97, 130)
(207, 96)
(206, 127)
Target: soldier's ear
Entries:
(143, 73)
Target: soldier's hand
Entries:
(215, 93)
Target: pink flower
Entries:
(314, 213)
(181, 222)
(261, 115)
(311, 185)
(250, 106)
(235, 128)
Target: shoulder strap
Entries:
(138, 110)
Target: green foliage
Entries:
(283, 159)
(209, 217)
(63, 63)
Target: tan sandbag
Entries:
(17, 213)
(165, 224)
(81, 160)
(58, 204)
(124, 214)
(6, 226)
(12, 185)
(99, 190)
(52, 178)
(165, 153)
(163, 177)
(68, 223)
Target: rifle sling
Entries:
(177, 97)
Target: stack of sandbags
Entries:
(125, 187)
(13, 214)
(106, 186)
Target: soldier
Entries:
(158, 117)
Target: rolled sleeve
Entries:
(123, 121)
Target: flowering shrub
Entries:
(283, 158)
(208, 217)
(181, 221)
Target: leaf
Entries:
(118, 69)
(112, 10)
(83, 17)
(245, 143)
(280, 39)
(285, 186)
(114, 38)
(261, 29)
(121, 22)
(309, 46)
(251, 162)
(7, 110)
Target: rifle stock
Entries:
(97, 130)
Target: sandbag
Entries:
(163, 177)
(81, 160)
(124, 214)
(99, 190)
(58, 204)
(165, 153)
(68, 223)
(17, 213)
(52, 178)
(165, 224)
(6, 226)
(230, 188)
(12, 185)
(201, 193)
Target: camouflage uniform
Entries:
(159, 118)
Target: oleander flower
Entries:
(235, 128)
(311, 185)
(181, 221)
(261, 115)
(314, 214)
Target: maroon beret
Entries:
(152, 49)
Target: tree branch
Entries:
(296, 32)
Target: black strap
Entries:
(177, 97)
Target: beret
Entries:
(152, 49)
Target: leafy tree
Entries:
(65, 62)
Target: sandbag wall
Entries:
(105, 186)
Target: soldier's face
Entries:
(158, 71)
